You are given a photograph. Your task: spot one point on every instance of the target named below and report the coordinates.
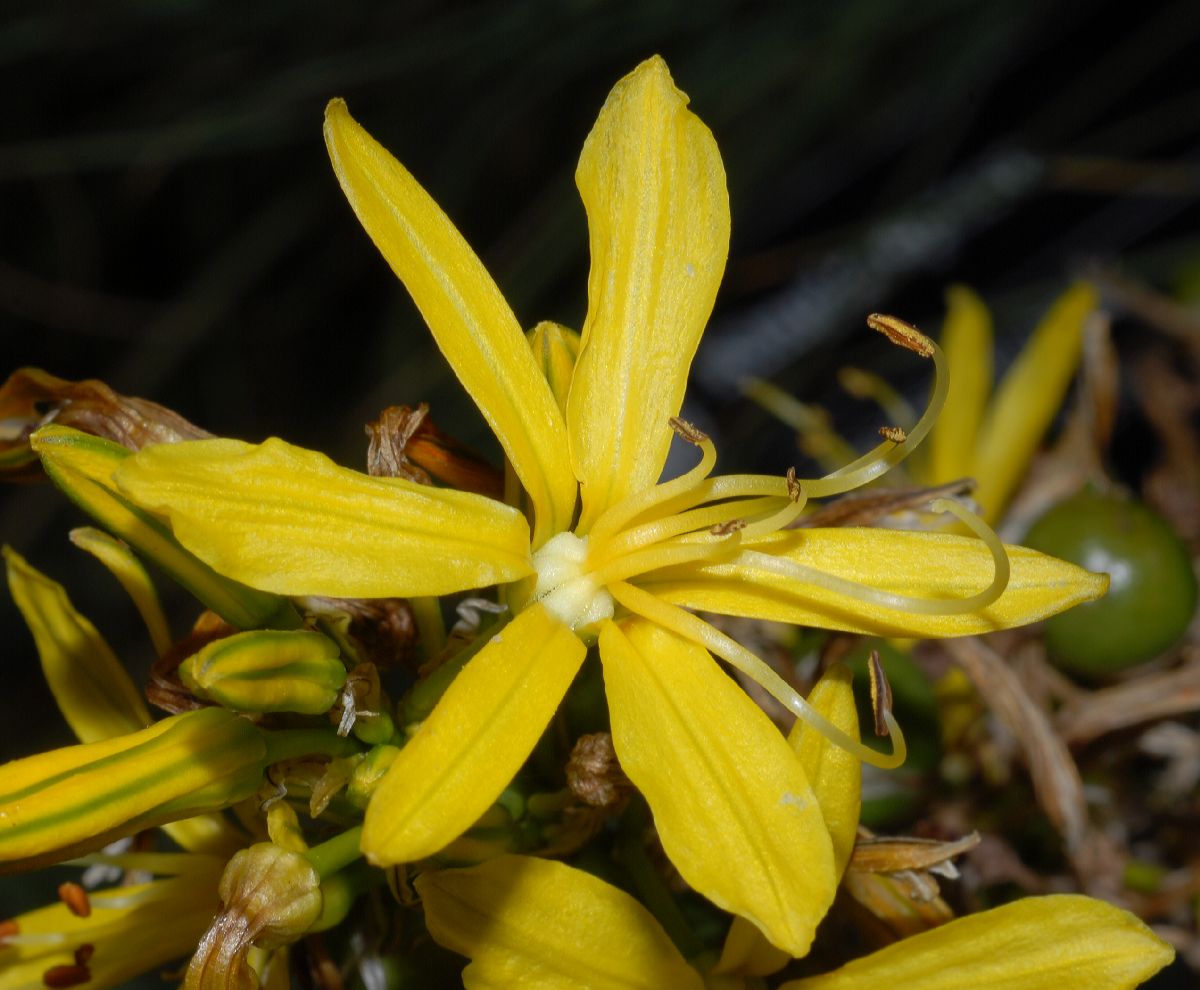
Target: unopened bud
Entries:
(78, 798)
(268, 671)
(555, 349)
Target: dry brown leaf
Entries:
(1142, 699)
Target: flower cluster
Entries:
(285, 756)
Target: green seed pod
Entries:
(1152, 591)
(268, 670)
(72, 800)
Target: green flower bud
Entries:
(72, 800)
(268, 671)
(369, 772)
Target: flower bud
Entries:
(268, 671)
(72, 800)
(271, 897)
(555, 349)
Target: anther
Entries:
(75, 898)
(8, 928)
(793, 485)
(893, 433)
(59, 977)
(687, 431)
(902, 334)
(83, 955)
(881, 693)
(727, 527)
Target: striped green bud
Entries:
(82, 466)
(268, 671)
(76, 799)
(369, 772)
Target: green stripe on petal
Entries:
(83, 465)
(1029, 397)
(731, 803)
(289, 520)
(91, 688)
(541, 924)
(929, 565)
(79, 798)
(468, 316)
(475, 740)
(653, 185)
(1058, 942)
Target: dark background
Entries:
(169, 222)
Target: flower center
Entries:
(566, 587)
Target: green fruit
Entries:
(1152, 591)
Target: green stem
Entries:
(340, 891)
(287, 744)
(332, 855)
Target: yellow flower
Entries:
(127, 930)
(730, 800)
(994, 441)
(535, 923)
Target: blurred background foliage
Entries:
(171, 224)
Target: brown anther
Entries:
(881, 693)
(901, 334)
(893, 433)
(687, 431)
(793, 486)
(57, 977)
(8, 928)
(75, 898)
(83, 955)
(727, 527)
(593, 773)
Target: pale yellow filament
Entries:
(695, 629)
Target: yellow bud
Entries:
(79, 798)
(268, 671)
(555, 348)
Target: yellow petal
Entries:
(83, 465)
(289, 520)
(536, 923)
(91, 688)
(128, 570)
(658, 218)
(475, 740)
(469, 318)
(730, 800)
(967, 343)
(1060, 942)
(933, 565)
(834, 774)
(836, 780)
(1029, 397)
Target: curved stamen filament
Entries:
(693, 628)
(887, 454)
(702, 519)
(904, 603)
(616, 516)
(711, 550)
(797, 499)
